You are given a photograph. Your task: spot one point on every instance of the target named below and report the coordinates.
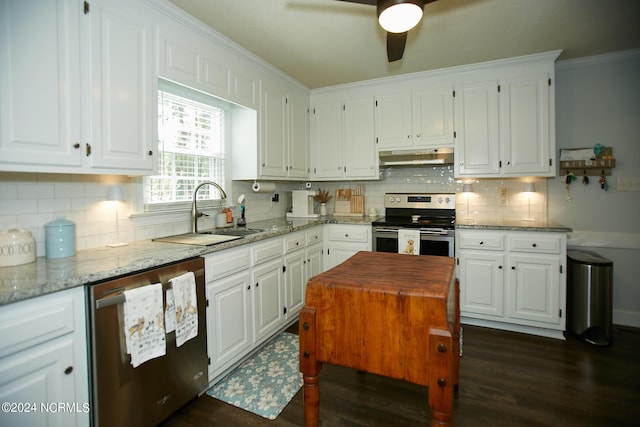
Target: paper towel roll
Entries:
(263, 187)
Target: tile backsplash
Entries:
(30, 200)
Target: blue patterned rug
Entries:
(266, 382)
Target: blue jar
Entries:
(60, 238)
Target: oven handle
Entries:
(423, 232)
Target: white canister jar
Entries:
(60, 238)
(17, 247)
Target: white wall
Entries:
(598, 102)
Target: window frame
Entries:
(207, 99)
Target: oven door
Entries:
(385, 239)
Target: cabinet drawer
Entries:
(481, 241)
(314, 236)
(266, 251)
(294, 241)
(35, 321)
(530, 242)
(225, 263)
(349, 233)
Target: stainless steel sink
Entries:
(233, 231)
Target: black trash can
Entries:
(590, 296)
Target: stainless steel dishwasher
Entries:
(146, 395)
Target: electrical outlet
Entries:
(503, 196)
(629, 184)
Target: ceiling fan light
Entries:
(399, 16)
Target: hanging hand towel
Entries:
(143, 323)
(409, 241)
(186, 303)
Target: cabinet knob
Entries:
(534, 245)
(346, 235)
(249, 287)
(461, 163)
(419, 135)
(76, 145)
(408, 136)
(513, 267)
(150, 152)
(499, 267)
(68, 370)
(481, 242)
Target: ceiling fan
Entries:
(397, 17)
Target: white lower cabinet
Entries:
(513, 280)
(43, 361)
(345, 240)
(268, 282)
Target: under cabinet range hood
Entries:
(425, 156)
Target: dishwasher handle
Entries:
(119, 297)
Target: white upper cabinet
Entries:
(122, 91)
(94, 105)
(477, 130)
(39, 84)
(505, 119)
(415, 119)
(189, 58)
(342, 139)
(280, 150)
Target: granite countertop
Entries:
(46, 276)
(513, 225)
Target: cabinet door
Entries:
(268, 298)
(39, 83)
(433, 117)
(298, 107)
(229, 328)
(533, 292)
(122, 88)
(273, 142)
(295, 280)
(476, 118)
(326, 140)
(481, 283)
(525, 125)
(40, 375)
(314, 261)
(393, 121)
(361, 159)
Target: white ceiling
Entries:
(327, 42)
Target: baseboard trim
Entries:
(626, 318)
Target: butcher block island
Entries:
(388, 314)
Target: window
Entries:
(192, 136)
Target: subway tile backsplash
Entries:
(30, 200)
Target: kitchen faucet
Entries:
(195, 213)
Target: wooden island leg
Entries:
(309, 366)
(441, 376)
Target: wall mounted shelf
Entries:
(580, 162)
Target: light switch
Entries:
(629, 183)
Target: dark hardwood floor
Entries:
(506, 379)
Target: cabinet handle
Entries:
(257, 284)
(68, 370)
(88, 149)
(76, 145)
(534, 245)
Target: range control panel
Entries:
(420, 201)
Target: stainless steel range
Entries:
(433, 214)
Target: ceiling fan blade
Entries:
(395, 45)
(369, 2)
